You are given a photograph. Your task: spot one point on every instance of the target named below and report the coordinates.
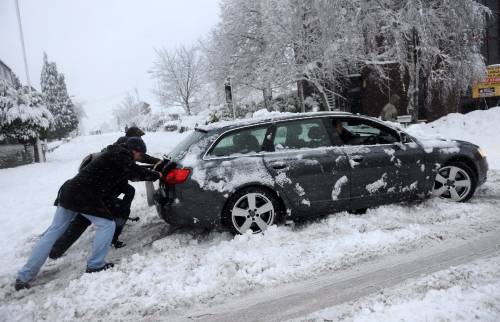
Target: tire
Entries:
(360, 211)
(239, 216)
(445, 182)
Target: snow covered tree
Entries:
(272, 44)
(23, 115)
(57, 100)
(435, 43)
(179, 77)
(246, 47)
(268, 45)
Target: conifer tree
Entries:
(57, 100)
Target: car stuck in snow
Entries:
(250, 174)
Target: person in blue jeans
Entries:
(84, 195)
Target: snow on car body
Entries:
(250, 174)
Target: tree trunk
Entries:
(414, 80)
(36, 151)
(268, 97)
(300, 95)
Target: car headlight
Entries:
(482, 152)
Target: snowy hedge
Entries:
(23, 114)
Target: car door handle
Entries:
(357, 158)
(279, 166)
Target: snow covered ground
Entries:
(155, 276)
(469, 292)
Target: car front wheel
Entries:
(456, 181)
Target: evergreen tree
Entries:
(57, 100)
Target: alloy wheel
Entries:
(452, 183)
(252, 211)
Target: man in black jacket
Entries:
(119, 207)
(85, 194)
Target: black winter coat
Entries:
(86, 191)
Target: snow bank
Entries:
(478, 127)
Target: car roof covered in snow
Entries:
(268, 117)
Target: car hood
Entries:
(438, 144)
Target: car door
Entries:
(307, 169)
(383, 169)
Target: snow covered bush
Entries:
(23, 114)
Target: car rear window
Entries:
(184, 145)
(245, 141)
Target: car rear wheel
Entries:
(253, 209)
(456, 181)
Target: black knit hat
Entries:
(134, 131)
(137, 144)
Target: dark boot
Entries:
(20, 285)
(95, 270)
(75, 229)
(119, 244)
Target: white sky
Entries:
(104, 47)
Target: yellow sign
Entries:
(490, 86)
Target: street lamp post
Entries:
(38, 145)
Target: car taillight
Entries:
(177, 176)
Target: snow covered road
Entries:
(156, 277)
(298, 299)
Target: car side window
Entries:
(245, 141)
(362, 132)
(301, 134)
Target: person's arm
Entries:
(150, 159)
(139, 173)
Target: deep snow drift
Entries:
(479, 127)
(158, 275)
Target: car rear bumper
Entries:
(482, 171)
(183, 208)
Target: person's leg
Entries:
(120, 224)
(105, 229)
(75, 229)
(129, 193)
(41, 251)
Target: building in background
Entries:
(6, 73)
(491, 47)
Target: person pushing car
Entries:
(119, 207)
(84, 194)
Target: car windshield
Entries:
(184, 145)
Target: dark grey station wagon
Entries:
(250, 174)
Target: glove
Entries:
(169, 165)
(159, 165)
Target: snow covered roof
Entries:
(262, 117)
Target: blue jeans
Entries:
(105, 229)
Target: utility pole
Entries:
(38, 145)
